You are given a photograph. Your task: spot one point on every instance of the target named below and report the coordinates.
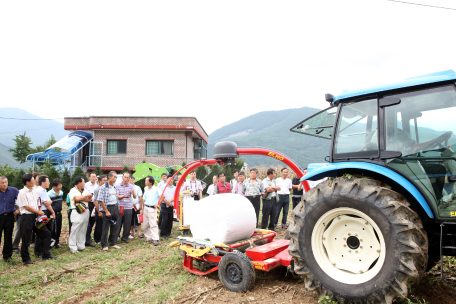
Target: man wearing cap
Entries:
(125, 191)
(107, 198)
(8, 196)
(150, 205)
(29, 204)
(91, 186)
(79, 216)
(166, 208)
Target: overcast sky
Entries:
(217, 60)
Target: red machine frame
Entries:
(265, 257)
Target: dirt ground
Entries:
(143, 273)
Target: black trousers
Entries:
(283, 203)
(90, 224)
(27, 226)
(296, 201)
(55, 233)
(108, 229)
(39, 242)
(125, 222)
(7, 226)
(98, 228)
(256, 202)
(160, 218)
(69, 221)
(269, 213)
(167, 220)
(134, 218)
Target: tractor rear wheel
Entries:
(236, 272)
(357, 242)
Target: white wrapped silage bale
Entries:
(223, 218)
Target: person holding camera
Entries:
(194, 185)
(79, 199)
(30, 206)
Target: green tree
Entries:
(22, 147)
(125, 169)
(52, 174)
(98, 171)
(78, 172)
(66, 182)
(17, 181)
(141, 183)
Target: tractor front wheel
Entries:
(357, 242)
(236, 272)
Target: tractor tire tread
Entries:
(407, 227)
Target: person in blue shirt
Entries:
(8, 196)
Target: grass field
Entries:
(143, 273)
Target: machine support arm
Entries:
(273, 154)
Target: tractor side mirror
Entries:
(389, 101)
(452, 178)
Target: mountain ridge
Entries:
(271, 129)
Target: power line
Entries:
(27, 130)
(14, 118)
(448, 8)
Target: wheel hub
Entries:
(353, 242)
(234, 273)
(350, 243)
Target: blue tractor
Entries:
(384, 216)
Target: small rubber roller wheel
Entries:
(236, 272)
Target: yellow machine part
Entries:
(196, 253)
(181, 211)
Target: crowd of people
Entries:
(101, 206)
(105, 207)
(275, 193)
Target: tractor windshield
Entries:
(423, 127)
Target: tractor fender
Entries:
(319, 171)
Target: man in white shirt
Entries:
(194, 185)
(78, 195)
(234, 181)
(285, 185)
(269, 201)
(29, 204)
(166, 208)
(43, 184)
(91, 186)
(162, 183)
(150, 205)
(210, 189)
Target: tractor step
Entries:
(444, 247)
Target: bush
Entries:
(78, 172)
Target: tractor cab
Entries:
(408, 127)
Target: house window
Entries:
(117, 147)
(159, 147)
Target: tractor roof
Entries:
(410, 82)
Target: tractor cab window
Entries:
(357, 134)
(422, 127)
(319, 125)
